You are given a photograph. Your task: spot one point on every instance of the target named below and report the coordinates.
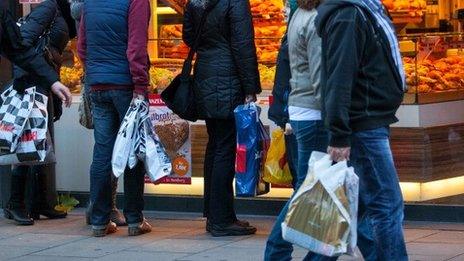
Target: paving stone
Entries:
(180, 246)
(227, 254)
(142, 256)
(49, 258)
(8, 252)
(201, 234)
(97, 247)
(453, 237)
(256, 241)
(457, 258)
(416, 234)
(425, 258)
(39, 240)
(445, 251)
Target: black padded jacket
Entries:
(226, 67)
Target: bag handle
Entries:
(187, 67)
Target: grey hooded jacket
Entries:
(305, 60)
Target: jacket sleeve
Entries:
(278, 110)
(188, 28)
(23, 56)
(39, 20)
(344, 41)
(137, 54)
(82, 41)
(243, 46)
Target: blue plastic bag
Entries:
(252, 145)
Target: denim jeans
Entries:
(291, 147)
(109, 108)
(310, 136)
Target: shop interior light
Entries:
(412, 191)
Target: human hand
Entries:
(250, 98)
(339, 154)
(288, 129)
(63, 93)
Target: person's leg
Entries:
(291, 150)
(40, 203)
(116, 215)
(221, 209)
(134, 180)
(381, 225)
(311, 136)
(16, 208)
(277, 249)
(106, 125)
(208, 165)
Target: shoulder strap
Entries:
(187, 68)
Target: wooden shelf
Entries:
(434, 97)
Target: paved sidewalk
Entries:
(182, 237)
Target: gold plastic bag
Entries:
(322, 214)
(276, 169)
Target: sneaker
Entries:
(139, 229)
(101, 232)
(233, 229)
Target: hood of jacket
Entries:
(203, 3)
(328, 7)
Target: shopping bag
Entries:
(252, 145)
(85, 110)
(156, 160)
(276, 168)
(124, 140)
(322, 215)
(34, 145)
(14, 112)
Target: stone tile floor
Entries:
(180, 236)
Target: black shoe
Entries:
(233, 229)
(19, 215)
(117, 217)
(242, 223)
(49, 213)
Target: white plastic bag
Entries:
(322, 215)
(124, 141)
(14, 112)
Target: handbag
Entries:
(85, 110)
(179, 95)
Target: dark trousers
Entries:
(291, 147)
(109, 108)
(219, 171)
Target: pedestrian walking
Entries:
(45, 19)
(116, 216)
(304, 102)
(278, 109)
(112, 45)
(225, 76)
(363, 84)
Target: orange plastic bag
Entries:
(276, 169)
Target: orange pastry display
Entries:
(439, 75)
(412, 7)
(170, 43)
(71, 76)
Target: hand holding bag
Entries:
(179, 95)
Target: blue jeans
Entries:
(109, 108)
(291, 147)
(310, 136)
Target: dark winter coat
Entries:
(226, 67)
(46, 16)
(12, 47)
(361, 86)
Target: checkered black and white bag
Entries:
(14, 112)
(33, 145)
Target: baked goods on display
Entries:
(71, 76)
(267, 75)
(160, 78)
(440, 75)
(413, 8)
(170, 42)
